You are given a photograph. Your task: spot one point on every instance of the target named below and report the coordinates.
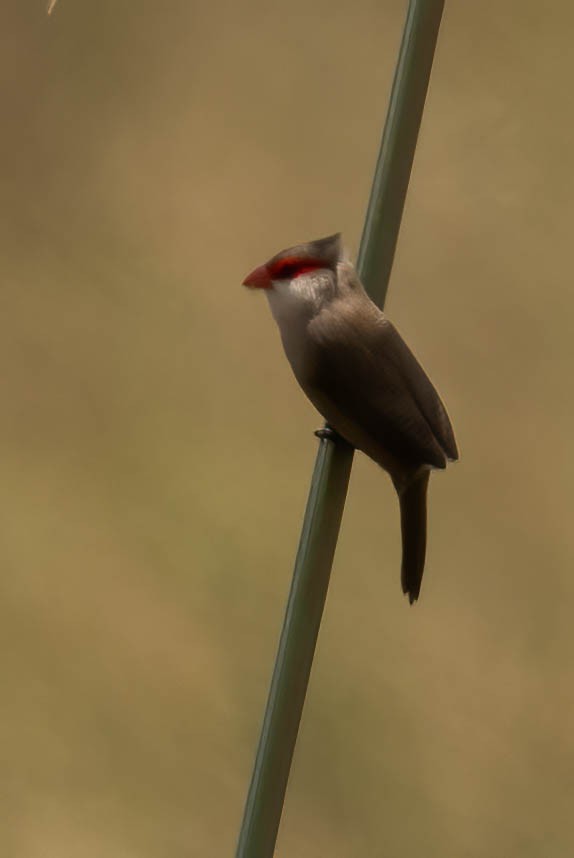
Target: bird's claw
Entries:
(326, 434)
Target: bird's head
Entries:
(300, 278)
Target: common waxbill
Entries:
(361, 376)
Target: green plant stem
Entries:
(334, 459)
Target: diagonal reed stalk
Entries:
(334, 459)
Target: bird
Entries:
(362, 377)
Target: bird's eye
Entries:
(287, 269)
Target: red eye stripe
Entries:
(291, 266)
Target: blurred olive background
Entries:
(156, 452)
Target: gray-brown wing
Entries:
(421, 388)
(365, 378)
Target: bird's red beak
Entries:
(258, 279)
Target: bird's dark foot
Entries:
(326, 434)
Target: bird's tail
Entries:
(413, 501)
